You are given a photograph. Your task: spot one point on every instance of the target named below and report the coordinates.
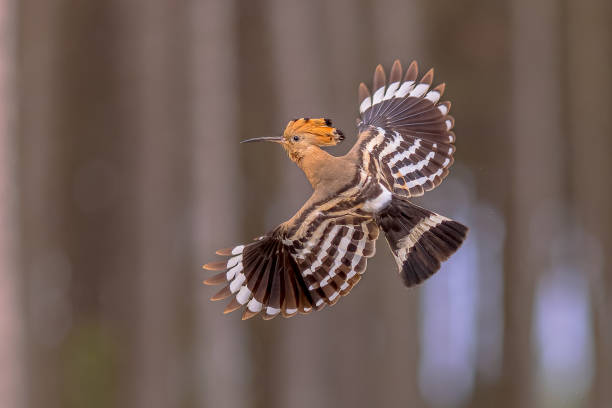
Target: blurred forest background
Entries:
(121, 173)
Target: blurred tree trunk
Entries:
(536, 188)
(154, 53)
(222, 362)
(12, 357)
(478, 78)
(260, 166)
(39, 199)
(588, 107)
(102, 161)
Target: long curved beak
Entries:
(276, 139)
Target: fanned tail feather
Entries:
(419, 239)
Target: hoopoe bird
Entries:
(404, 147)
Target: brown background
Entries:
(121, 173)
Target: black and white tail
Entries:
(419, 239)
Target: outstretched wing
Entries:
(296, 269)
(404, 131)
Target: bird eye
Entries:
(296, 138)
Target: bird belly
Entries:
(379, 201)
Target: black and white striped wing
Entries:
(405, 132)
(300, 271)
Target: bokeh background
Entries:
(121, 173)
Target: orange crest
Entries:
(316, 131)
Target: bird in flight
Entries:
(404, 147)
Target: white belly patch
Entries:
(378, 203)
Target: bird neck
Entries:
(316, 163)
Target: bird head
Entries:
(301, 134)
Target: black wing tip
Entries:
(265, 265)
